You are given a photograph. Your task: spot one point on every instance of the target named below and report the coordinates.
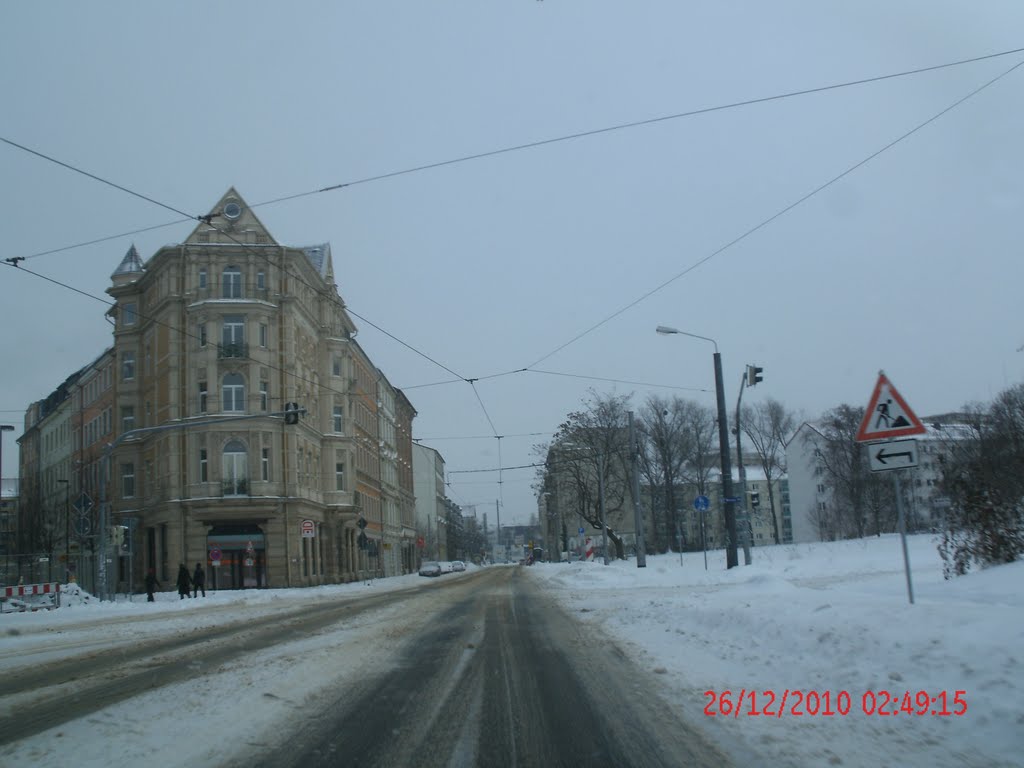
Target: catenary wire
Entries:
(531, 145)
(97, 178)
(580, 135)
(777, 215)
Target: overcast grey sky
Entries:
(910, 263)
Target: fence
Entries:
(29, 597)
(48, 567)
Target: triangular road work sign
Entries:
(888, 415)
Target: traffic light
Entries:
(291, 413)
(119, 538)
(754, 375)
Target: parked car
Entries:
(430, 569)
(458, 565)
(446, 566)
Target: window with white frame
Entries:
(127, 418)
(233, 469)
(202, 397)
(204, 466)
(338, 419)
(202, 334)
(129, 313)
(339, 476)
(233, 392)
(234, 330)
(231, 283)
(202, 279)
(265, 464)
(263, 335)
(127, 366)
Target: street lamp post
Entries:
(731, 556)
(67, 529)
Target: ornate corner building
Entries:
(213, 337)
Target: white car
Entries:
(458, 565)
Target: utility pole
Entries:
(497, 536)
(641, 547)
(731, 557)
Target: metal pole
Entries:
(641, 549)
(703, 541)
(600, 502)
(731, 555)
(497, 537)
(903, 534)
(101, 564)
(748, 537)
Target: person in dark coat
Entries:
(199, 581)
(184, 582)
(151, 585)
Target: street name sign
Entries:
(894, 454)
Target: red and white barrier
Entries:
(588, 549)
(34, 590)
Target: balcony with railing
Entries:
(238, 349)
(236, 487)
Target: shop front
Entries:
(236, 557)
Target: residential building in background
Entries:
(813, 498)
(431, 502)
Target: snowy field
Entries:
(824, 617)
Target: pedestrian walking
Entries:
(184, 582)
(151, 585)
(199, 581)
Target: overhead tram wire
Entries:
(199, 218)
(208, 220)
(534, 144)
(778, 214)
(616, 381)
(100, 179)
(156, 321)
(623, 126)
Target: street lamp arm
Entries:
(665, 330)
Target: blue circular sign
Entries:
(702, 504)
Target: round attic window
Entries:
(232, 210)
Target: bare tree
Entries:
(590, 450)
(667, 444)
(845, 469)
(767, 426)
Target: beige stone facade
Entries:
(213, 338)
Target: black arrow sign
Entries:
(882, 455)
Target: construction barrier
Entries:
(29, 597)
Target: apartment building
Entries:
(213, 338)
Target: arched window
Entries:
(234, 469)
(231, 283)
(233, 392)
